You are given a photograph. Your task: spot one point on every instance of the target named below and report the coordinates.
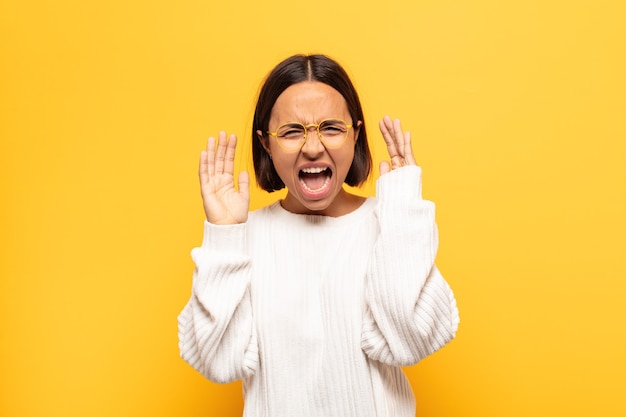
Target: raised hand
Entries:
(223, 204)
(398, 145)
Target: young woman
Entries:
(315, 301)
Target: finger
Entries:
(386, 128)
(202, 169)
(409, 157)
(384, 167)
(210, 160)
(220, 155)
(229, 163)
(398, 137)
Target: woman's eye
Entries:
(292, 133)
(332, 130)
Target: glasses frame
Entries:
(306, 131)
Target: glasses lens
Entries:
(290, 135)
(333, 131)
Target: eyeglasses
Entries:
(291, 136)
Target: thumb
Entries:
(244, 185)
(384, 167)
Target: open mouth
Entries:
(315, 179)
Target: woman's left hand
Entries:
(398, 145)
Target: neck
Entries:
(343, 204)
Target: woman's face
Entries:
(313, 174)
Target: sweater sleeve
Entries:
(411, 310)
(215, 329)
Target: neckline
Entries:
(366, 207)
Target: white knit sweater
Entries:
(317, 314)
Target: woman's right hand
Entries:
(223, 204)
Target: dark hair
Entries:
(293, 70)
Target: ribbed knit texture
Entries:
(317, 314)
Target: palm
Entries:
(223, 204)
(398, 145)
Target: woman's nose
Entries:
(313, 144)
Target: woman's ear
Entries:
(357, 130)
(264, 141)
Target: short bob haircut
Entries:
(293, 70)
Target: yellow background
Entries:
(517, 110)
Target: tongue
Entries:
(313, 181)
